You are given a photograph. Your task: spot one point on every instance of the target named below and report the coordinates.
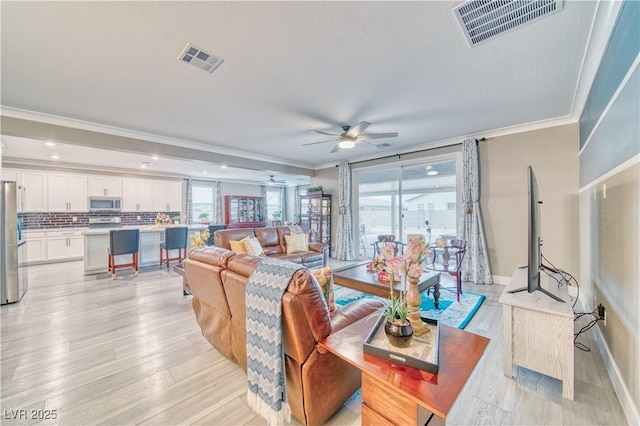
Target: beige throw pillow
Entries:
(238, 246)
(296, 243)
(252, 246)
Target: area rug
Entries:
(450, 312)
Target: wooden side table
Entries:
(401, 395)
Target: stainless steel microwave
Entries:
(101, 204)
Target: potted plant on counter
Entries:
(204, 217)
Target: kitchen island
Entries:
(96, 242)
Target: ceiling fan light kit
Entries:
(346, 144)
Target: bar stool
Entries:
(123, 241)
(212, 230)
(175, 238)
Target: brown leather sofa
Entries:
(318, 382)
(274, 244)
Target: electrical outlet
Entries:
(74, 218)
(602, 313)
(138, 217)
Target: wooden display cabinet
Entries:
(243, 211)
(315, 217)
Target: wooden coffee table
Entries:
(358, 278)
(402, 395)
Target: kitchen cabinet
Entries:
(35, 197)
(10, 174)
(137, 195)
(104, 186)
(66, 192)
(64, 245)
(167, 196)
(36, 246)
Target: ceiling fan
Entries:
(352, 136)
(273, 182)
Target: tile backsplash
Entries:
(47, 220)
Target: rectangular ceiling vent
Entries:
(199, 58)
(481, 20)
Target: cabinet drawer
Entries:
(55, 234)
(384, 398)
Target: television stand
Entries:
(538, 332)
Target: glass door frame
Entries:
(355, 191)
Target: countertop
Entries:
(143, 228)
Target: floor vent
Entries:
(481, 20)
(199, 58)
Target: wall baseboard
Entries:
(626, 401)
(498, 279)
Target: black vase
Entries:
(399, 336)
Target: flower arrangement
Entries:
(199, 239)
(162, 219)
(411, 265)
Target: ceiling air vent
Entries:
(201, 59)
(481, 20)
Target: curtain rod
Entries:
(412, 152)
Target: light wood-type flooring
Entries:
(129, 351)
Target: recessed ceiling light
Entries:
(204, 173)
(55, 157)
(143, 166)
(50, 144)
(155, 157)
(223, 166)
(432, 172)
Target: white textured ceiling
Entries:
(289, 67)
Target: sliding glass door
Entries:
(404, 200)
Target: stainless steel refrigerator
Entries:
(13, 249)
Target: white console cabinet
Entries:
(538, 330)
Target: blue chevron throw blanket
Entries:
(267, 393)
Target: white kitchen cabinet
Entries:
(167, 196)
(10, 174)
(67, 192)
(137, 195)
(35, 197)
(64, 245)
(36, 246)
(105, 186)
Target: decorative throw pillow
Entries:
(296, 243)
(324, 276)
(252, 246)
(238, 246)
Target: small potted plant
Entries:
(176, 219)
(204, 217)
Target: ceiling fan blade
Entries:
(316, 143)
(367, 144)
(377, 136)
(335, 148)
(358, 128)
(324, 133)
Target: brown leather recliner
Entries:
(274, 244)
(318, 382)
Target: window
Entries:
(431, 206)
(274, 204)
(451, 206)
(204, 202)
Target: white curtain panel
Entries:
(189, 204)
(475, 266)
(296, 206)
(344, 249)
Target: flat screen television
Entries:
(534, 243)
